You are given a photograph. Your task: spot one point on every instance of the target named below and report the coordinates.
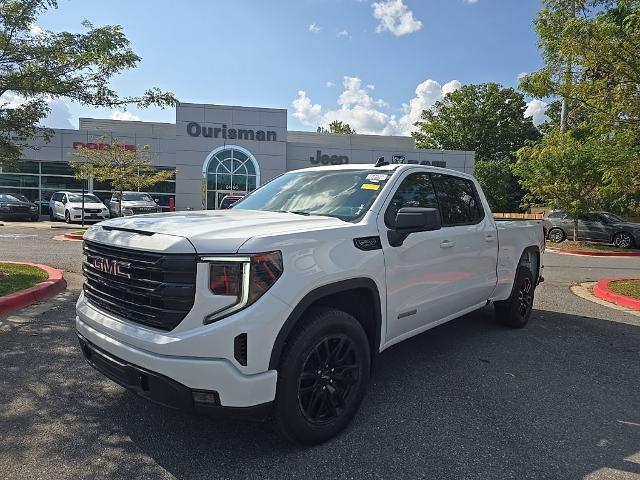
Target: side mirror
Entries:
(157, 200)
(411, 220)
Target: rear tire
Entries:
(322, 377)
(516, 310)
(556, 235)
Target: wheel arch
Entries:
(346, 295)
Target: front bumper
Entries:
(90, 216)
(159, 388)
(171, 374)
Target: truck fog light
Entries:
(204, 397)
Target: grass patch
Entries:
(14, 277)
(591, 247)
(629, 288)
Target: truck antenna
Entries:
(381, 162)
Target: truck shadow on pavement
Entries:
(472, 399)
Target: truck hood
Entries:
(220, 231)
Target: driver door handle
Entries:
(490, 237)
(447, 244)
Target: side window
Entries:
(415, 191)
(459, 204)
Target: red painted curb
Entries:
(601, 290)
(596, 253)
(73, 236)
(53, 285)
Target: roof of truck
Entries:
(385, 168)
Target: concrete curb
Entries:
(73, 236)
(601, 290)
(53, 285)
(591, 253)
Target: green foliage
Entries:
(580, 170)
(499, 184)
(485, 118)
(592, 59)
(125, 169)
(39, 66)
(337, 127)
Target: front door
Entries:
(437, 274)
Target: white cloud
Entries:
(343, 33)
(395, 17)
(314, 28)
(35, 30)
(124, 116)
(330, 84)
(470, 2)
(536, 109)
(521, 75)
(59, 115)
(366, 114)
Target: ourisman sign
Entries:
(194, 129)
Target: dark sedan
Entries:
(18, 207)
(594, 227)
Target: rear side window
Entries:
(557, 214)
(415, 191)
(458, 200)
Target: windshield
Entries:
(136, 197)
(611, 217)
(8, 198)
(343, 194)
(88, 198)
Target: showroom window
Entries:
(229, 170)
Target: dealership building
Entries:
(215, 150)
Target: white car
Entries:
(279, 305)
(67, 206)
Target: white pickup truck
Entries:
(279, 306)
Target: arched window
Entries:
(229, 170)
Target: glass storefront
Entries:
(39, 180)
(229, 170)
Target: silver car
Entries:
(602, 227)
(133, 203)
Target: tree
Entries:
(579, 170)
(485, 118)
(499, 184)
(337, 127)
(591, 59)
(489, 120)
(125, 168)
(37, 66)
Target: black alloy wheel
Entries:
(516, 311)
(623, 240)
(325, 383)
(556, 235)
(525, 297)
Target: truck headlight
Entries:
(245, 279)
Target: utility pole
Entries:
(568, 78)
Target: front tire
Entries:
(516, 310)
(623, 240)
(556, 235)
(322, 377)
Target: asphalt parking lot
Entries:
(470, 399)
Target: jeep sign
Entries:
(323, 159)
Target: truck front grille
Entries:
(153, 289)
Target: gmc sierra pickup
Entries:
(279, 306)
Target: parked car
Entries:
(229, 201)
(594, 227)
(19, 207)
(67, 206)
(279, 305)
(133, 203)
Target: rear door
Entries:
(472, 238)
(592, 227)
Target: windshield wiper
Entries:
(297, 212)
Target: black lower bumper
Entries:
(161, 389)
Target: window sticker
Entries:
(377, 177)
(370, 186)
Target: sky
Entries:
(373, 64)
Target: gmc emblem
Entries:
(112, 267)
